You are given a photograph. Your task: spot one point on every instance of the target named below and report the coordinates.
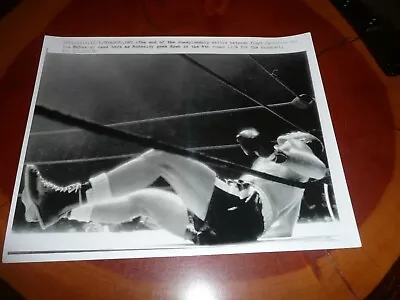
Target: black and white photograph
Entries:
(140, 153)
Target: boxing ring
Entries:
(69, 140)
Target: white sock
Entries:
(82, 213)
(100, 190)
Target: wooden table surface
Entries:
(365, 109)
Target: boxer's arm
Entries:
(300, 159)
(306, 164)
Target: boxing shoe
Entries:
(30, 209)
(45, 201)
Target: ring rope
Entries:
(119, 156)
(287, 88)
(153, 143)
(237, 90)
(165, 118)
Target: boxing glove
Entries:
(249, 141)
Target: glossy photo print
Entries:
(143, 147)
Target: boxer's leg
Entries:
(191, 180)
(163, 207)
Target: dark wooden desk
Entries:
(365, 111)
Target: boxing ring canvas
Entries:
(194, 94)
